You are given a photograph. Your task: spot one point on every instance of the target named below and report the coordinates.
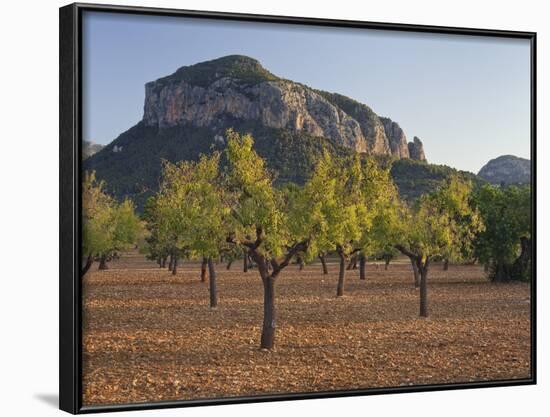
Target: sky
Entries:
(467, 98)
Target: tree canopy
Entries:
(506, 213)
(108, 227)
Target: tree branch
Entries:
(298, 247)
(405, 251)
(248, 243)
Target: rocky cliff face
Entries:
(507, 169)
(217, 93)
(416, 150)
(396, 137)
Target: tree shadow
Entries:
(50, 399)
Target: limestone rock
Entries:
(214, 94)
(416, 150)
(396, 137)
(507, 169)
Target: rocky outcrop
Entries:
(416, 150)
(507, 169)
(396, 137)
(217, 93)
(90, 148)
(276, 104)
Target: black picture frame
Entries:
(70, 335)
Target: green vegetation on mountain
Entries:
(134, 169)
(415, 178)
(246, 70)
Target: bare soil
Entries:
(151, 336)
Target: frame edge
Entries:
(69, 203)
(69, 398)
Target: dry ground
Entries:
(150, 336)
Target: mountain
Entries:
(90, 148)
(507, 169)
(188, 112)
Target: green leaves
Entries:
(107, 226)
(256, 205)
(443, 223)
(190, 211)
(506, 213)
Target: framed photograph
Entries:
(259, 208)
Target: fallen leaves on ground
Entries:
(151, 336)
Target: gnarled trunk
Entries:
(387, 263)
(521, 268)
(228, 267)
(212, 282)
(323, 264)
(341, 275)
(352, 263)
(103, 263)
(245, 261)
(301, 263)
(175, 264)
(446, 265)
(500, 271)
(362, 265)
(163, 265)
(203, 269)
(86, 267)
(171, 262)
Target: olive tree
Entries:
(441, 224)
(262, 223)
(108, 227)
(504, 246)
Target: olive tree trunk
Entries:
(362, 265)
(171, 262)
(175, 264)
(341, 275)
(86, 267)
(203, 269)
(268, 328)
(352, 263)
(416, 273)
(423, 269)
(301, 263)
(212, 282)
(446, 265)
(103, 263)
(245, 261)
(269, 269)
(323, 264)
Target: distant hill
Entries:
(414, 178)
(507, 169)
(188, 112)
(90, 148)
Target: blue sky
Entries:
(467, 98)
